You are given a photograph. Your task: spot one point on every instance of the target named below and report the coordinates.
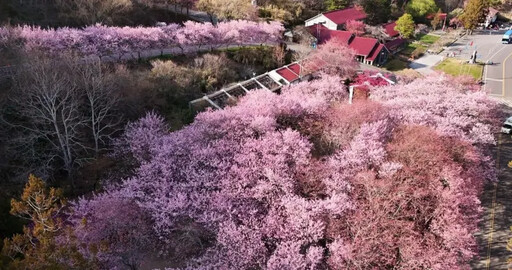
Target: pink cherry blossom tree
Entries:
(113, 230)
(333, 57)
(390, 185)
(355, 27)
(99, 40)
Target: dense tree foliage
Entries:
(304, 180)
(405, 26)
(474, 12)
(436, 21)
(39, 246)
(420, 8)
(228, 9)
(336, 4)
(93, 11)
(378, 11)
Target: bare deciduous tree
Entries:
(101, 101)
(60, 110)
(48, 103)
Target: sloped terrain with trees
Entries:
(306, 181)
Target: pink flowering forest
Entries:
(304, 180)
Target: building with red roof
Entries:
(389, 29)
(336, 19)
(323, 34)
(395, 45)
(374, 54)
(363, 46)
(368, 50)
(288, 74)
(364, 81)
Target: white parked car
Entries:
(507, 126)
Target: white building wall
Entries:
(276, 77)
(321, 18)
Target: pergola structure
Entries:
(271, 81)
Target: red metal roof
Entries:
(288, 74)
(323, 34)
(375, 52)
(344, 15)
(394, 44)
(390, 29)
(296, 68)
(344, 36)
(363, 46)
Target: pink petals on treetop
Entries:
(304, 180)
(100, 40)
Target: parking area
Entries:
(485, 42)
(497, 76)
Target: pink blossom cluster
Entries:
(451, 113)
(370, 78)
(100, 40)
(356, 27)
(304, 180)
(5, 35)
(9, 37)
(113, 229)
(332, 57)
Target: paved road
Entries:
(425, 63)
(484, 42)
(489, 48)
(497, 219)
(498, 77)
(497, 197)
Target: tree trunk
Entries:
(71, 179)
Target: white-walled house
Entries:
(335, 20)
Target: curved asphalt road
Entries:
(498, 76)
(496, 199)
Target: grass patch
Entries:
(457, 68)
(411, 47)
(428, 39)
(395, 65)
